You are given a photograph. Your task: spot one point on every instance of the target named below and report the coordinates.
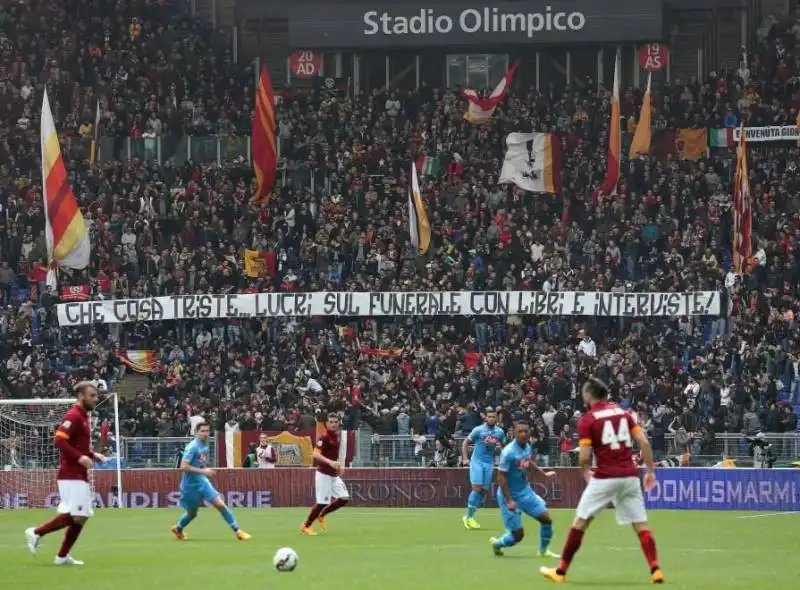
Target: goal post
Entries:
(28, 456)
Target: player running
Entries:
(608, 430)
(515, 495)
(74, 441)
(329, 488)
(488, 438)
(196, 486)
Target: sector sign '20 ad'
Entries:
(334, 25)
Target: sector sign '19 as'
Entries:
(446, 23)
(653, 57)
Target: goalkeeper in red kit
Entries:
(74, 441)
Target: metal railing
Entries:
(144, 452)
(402, 451)
(177, 149)
(220, 149)
(786, 446)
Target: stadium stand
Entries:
(173, 221)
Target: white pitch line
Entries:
(768, 514)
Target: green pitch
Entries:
(386, 549)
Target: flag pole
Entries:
(95, 135)
(52, 275)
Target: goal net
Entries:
(28, 456)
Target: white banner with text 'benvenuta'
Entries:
(441, 303)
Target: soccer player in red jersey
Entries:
(329, 488)
(609, 431)
(74, 440)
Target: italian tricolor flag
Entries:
(720, 137)
(428, 166)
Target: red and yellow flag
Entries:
(67, 238)
(691, 144)
(480, 110)
(263, 147)
(255, 264)
(742, 209)
(614, 141)
(640, 146)
(141, 361)
(381, 351)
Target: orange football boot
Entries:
(179, 534)
(308, 530)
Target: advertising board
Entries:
(774, 490)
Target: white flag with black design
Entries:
(532, 162)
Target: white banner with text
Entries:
(762, 134)
(330, 303)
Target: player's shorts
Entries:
(75, 498)
(193, 497)
(480, 474)
(329, 487)
(625, 493)
(529, 503)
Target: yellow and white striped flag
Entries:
(418, 225)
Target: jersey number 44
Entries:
(616, 439)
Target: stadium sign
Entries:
(432, 303)
(472, 20)
(333, 25)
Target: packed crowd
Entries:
(338, 222)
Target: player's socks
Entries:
(228, 517)
(184, 520)
(473, 503)
(61, 521)
(571, 546)
(316, 510)
(332, 507)
(506, 540)
(72, 534)
(545, 536)
(648, 543)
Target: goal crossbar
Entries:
(37, 402)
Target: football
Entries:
(285, 560)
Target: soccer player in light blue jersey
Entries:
(515, 495)
(488, 439)
(196, 486)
